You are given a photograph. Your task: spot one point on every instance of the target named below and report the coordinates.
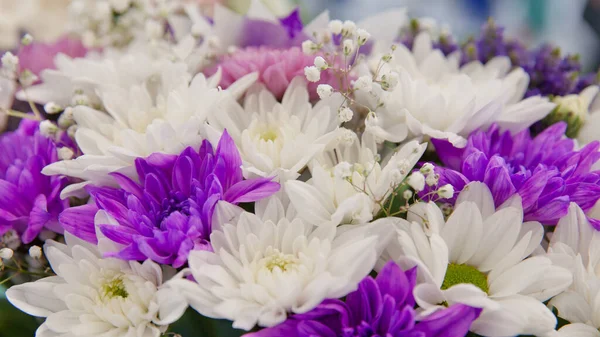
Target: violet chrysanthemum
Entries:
(546, 171)
(169, 212)
(29, 200)
(383, 306)
(276, 68)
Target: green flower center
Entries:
(461, 273)
(284, 262)
(114, 288)
(269, 135)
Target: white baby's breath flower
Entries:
(427, 168)
(446, 191)
(6, 253)
(312, 73)
(309, 47)
(348, 28)
(417, 181)
(348, 47)
(320, 63)
(362, 36)
(324, 91)
(65, 153)
(47, 128)
(52, 108)
(336, 26)
(35, 252)
(115, 297)
(432, 179)
(10, 62)
(345, 114)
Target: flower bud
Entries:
(65, 153)
(309, 47)
(336, 26)
(47, 128)
(348, 28)
(364, 83)
(6, 253)
(427, 168)
(35, 252)
(26, 40)
(321, 63)
(52, 108)
(417, 181)
(348, 47)
(10, 62)
(446, 191)
(362, 36)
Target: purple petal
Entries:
(251, 190)
(453, 321)
(37, 219)
(232, 162)
(79, 221)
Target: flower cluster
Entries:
(332, 179)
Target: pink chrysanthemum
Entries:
(276, 68)
(39, 56)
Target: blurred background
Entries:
(572, 25)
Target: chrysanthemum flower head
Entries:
(169, 211)
(382, 306)
(546, 170)
(481, 256)
(276, 68)
(271, 263)
(29, 201)
(91, 296)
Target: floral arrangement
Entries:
(325, 179)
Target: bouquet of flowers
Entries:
(322, 179)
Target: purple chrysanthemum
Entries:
(383, 306)
(546, 171)
(29, 200)
(169, 212)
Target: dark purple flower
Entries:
(29, 200)
(383, 306)
(546, 171)
(169, 212)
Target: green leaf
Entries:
(15, 323)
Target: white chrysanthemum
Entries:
(353, 189)
(277, 139)
(92, 296)
(267, 265)
(163, 113)
(575, 244)
(480, 257)
(436, 98)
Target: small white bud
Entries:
(10, 62)
(335, 26)
(446, 191)
(321, 63)
(312, 73)
(47, 128)
(386, 58)
(364, 83)
(11, 239)
(66, 119)
(407, 194)
(309, 47)
(348, 28)
(348, 47)
(65, 153)
(26, 40)
(345, 114)
(6, 253)
(324, 91)
(362, 36)
(427, 168)
(72, 130)
(35, 252)
(27, 78)
(432, 179)
(343, 170)
(52, 108)
(417, 181)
